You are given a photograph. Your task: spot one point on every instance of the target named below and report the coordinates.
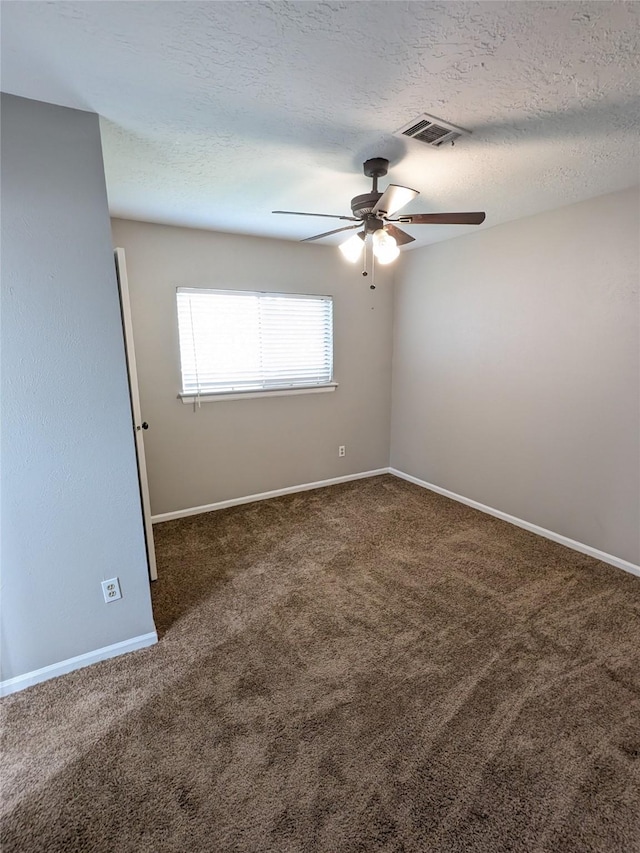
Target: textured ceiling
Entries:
(215, 113)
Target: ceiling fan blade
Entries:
(401, 237)
(337, 231)
(327, 215)
(442, 218)
(393, 198)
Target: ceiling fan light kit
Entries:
(372, 211)
(385, 247)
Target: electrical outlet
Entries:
(111, 590)
(342, 451)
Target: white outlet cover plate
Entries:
(111, 590)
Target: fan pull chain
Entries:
(372, 286)
(364, 257)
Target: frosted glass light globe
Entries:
(385, 247)
(352, 248)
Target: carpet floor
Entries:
(369, 667)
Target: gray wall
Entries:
(230, 449)
(515, 370)
(70, 503)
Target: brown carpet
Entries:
(368, 667)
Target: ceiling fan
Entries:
(372, 213)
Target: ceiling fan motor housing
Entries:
(361, 205)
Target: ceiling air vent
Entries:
(431, 130)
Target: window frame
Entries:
(191, 397)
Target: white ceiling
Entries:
(215, 113)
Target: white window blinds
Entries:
(237, 340)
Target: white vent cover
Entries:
(431, 130)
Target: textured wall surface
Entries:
(233, 448)
(70, 502)
(215, 114)
(516, 370)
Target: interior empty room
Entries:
(320, 427)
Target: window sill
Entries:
(248, 395)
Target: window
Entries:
(244, 343)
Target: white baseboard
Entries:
(619, 563)
(526, 525)
(263, 496)
(20, 682)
